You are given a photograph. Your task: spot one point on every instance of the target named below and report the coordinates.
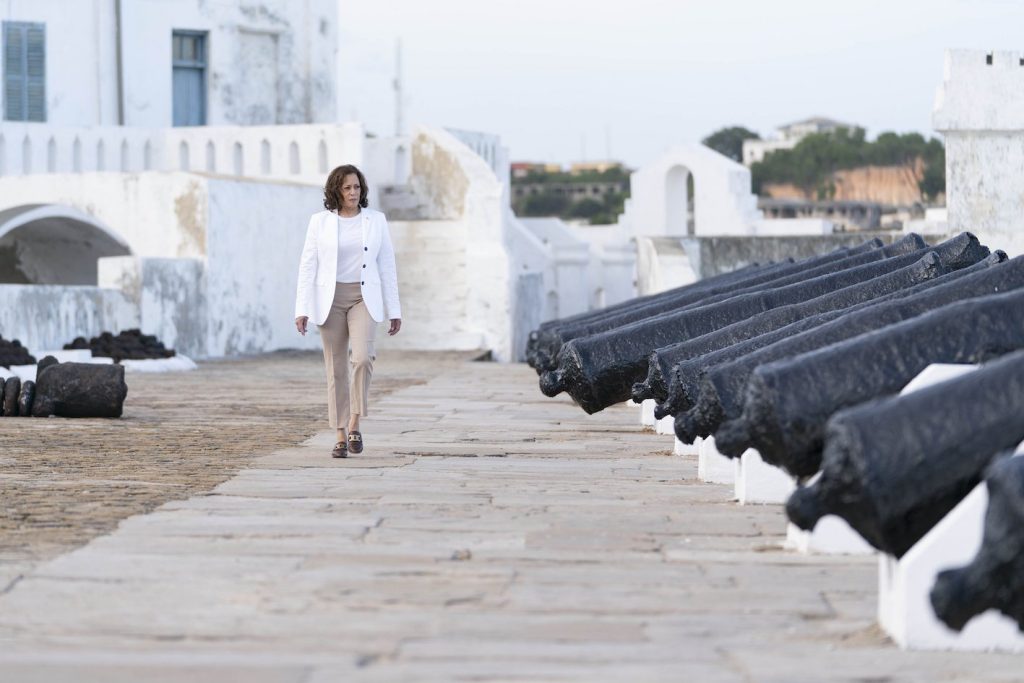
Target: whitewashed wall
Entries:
(979, 108)
(301, 153)
(45, 317)
(255, 236)
(272, 51)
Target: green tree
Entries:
(546, 204)
(811, 163)
(729, 141)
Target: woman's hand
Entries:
(300, 324)
(396, 325)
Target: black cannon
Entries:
(11, 387)
(79, 389)
(894, 467)
(788, 402)
(599, 370)
(661, 361)
(125, 345)
(995, 578)
(685, 376)
(13, 353)
(548, 336)
(550, 342)
(722, 381)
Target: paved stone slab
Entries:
(486, 534)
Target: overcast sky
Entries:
(564, 80)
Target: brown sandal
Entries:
(355, 442)
(340, 450)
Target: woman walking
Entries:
(347, 279)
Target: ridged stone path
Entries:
(487, 534)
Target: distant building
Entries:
(521, 169)
(788, 136)
(581, 167)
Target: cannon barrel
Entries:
(661, 361)
(79, 389)
(994, 579)
(729, 379)
(788, 402)
(894, 467)
(550, 342)
(599, 370)
(685, 377)
(543, 343)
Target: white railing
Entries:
(301, 153)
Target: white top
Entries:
(350, 249)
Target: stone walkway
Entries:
(487, 534)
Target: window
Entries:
(188, 59)
(24, 71)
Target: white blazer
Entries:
(318, 268)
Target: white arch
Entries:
(15, 217)
(723, 202)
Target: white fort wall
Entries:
(979, 109)
(212, 259)
(269, 61)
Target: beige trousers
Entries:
(348, 323)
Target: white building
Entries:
(979, 109)
(787, 137)
(159, 160)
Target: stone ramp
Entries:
(486, 534)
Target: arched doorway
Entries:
(679, 203)
(49, 244)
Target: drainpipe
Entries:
(120, 66)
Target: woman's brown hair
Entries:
(332, 189)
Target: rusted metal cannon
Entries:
(550, 342)
(661, 361)
(995, 578)
(722, 378)
(788, 402)
(893, 468)
(79, 389)
(599, 370)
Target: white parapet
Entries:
(757, 482)
(712, 466)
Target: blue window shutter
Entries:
(24, 71)
(35, 71)
(14, 72)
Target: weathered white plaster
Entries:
(298, 153)
(979, 109)
(662, 264)
(832, 535)
(567, 291)
(270, 61)
(49, 316)
(712, 466)
(757, 482)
